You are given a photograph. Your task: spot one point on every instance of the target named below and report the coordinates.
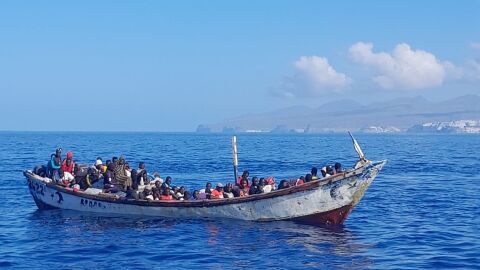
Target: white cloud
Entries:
(475, 45)
(404, 68)
(314, 76)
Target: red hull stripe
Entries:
(332, 217)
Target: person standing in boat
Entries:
(121, 176)
(54, 165)
(109, 183)
(244, 176)
(68, 165)
(139, 176)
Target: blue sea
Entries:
(422, 211)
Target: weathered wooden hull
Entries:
(325, 201)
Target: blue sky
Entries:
(171, 65)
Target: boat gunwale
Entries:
(202, 203)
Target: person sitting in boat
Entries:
(338, 168)
(99, 166)
(158, 185)
(299, 181)
(228, 191)
(314, 172)
(149, 194)
(244, 188)
(145, 193)
(261, 185)
(283, 184)
(156, 178)
(270, 181)
(53, 166)
(217, 193)
(255, 187)
(308, 178)
(266, 187)
(196, 194)
(94, 174)
(208, 190)
(186, 195)
(180, 194)
(67, 179)
(330, 170)
(174, 192)
(156, 194)
(167, 183)
(324, 172)
(166, 196)
(244, 176)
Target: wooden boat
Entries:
(321, 202)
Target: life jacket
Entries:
(66, 168)
(217, 194)
(239, 181)
(299, 182)
(270, 181)
(166, 197)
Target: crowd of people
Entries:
(116, 176)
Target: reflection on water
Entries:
(215, 239)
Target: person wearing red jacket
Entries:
(68, 165)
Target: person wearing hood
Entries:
(68, 165)
(109, 183)
(53, 166)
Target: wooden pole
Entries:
(235, 158)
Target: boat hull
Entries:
(325, 201)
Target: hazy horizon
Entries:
(169, 66)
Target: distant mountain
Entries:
(338, 116)
(460, 126)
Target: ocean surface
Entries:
(422, 211)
